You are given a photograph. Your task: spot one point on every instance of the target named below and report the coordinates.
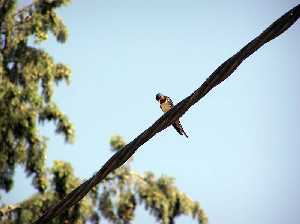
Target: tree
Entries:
(27, 78)
(115, 200)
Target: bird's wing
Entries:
(170, 101)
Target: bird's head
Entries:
(159, 96)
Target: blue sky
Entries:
(241, 161)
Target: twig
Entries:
(8, 209)
(218, 76)
(25, 8)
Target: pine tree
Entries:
(27, 78)
(114, 200)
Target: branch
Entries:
(5, 210)
(218, 76)
(25, 8)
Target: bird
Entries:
(166, 104)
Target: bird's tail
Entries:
(184, 133)
(178, 127)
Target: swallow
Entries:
(166, 104)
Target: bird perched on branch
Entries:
(166, 104)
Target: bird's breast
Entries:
(165, 107)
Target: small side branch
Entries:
(218, 76)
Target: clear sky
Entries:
(241, 161)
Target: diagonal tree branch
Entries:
(218, 76)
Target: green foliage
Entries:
(63, 181)
(124, 189)
(117, 142)
(115, 199)
(166, 201)
(27, 77)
